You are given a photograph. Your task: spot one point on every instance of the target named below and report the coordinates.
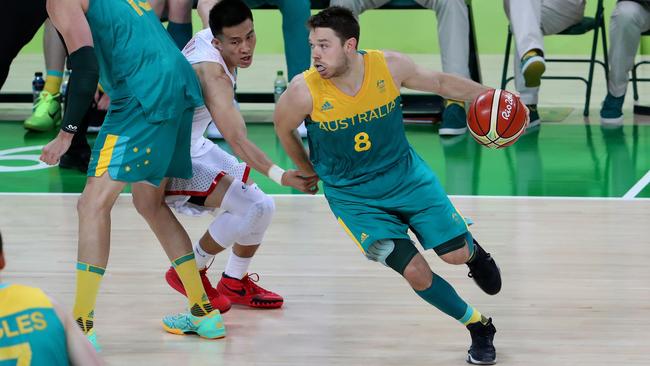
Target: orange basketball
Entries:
(497, 118)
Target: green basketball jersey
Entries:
(137, 58)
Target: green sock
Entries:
(441, 295)
(181, 33)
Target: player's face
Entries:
(236, 44)
(330, 57)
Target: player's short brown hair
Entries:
(338, 19)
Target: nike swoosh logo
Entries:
(241, 292)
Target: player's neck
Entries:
(351, 81)
(232, 69)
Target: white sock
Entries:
(202, 257)
(237, 266)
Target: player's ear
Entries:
(216, 42)
(350, 44)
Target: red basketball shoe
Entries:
(247, 292)
(217, 300)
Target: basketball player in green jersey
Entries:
(144, 139)
(34, 330)
(375, 183)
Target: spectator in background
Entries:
(629, 19)
(179, 16)
(19, 21)
(453, 36)
(530, 21)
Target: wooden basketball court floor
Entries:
(576, 286)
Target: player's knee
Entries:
(455, 250)
(625, 13)
(262, 212)
(87, 205)
(393, 253)
(418, 274)
(257, 220)
(146, 207)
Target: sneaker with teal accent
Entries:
(454, 121)
(92, 338)
(533, 66)
(209, 326)
(46, 114)
(612, 111)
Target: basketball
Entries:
(497, 118)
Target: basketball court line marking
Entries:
(557, 198)
(637, 187)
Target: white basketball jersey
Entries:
(200, 49)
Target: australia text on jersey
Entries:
(365, 117)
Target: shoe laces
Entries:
(210, 291)
(249, 282)
(180, 320)
(476, 266)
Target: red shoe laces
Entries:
(251, 286)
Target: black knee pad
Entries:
(452, 244)
(401, 256)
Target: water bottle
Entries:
(279, 85)
(37, 85)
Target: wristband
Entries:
(275, 173)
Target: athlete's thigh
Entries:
(132, 149)
(430, 213)
(181, 161)
(366, 223)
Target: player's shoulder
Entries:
(300, 82)
(299, 91)
(395, 58)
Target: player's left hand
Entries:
(53, 151)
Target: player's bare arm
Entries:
(294, 106)
(203, 8)
(218, 95)
(408, 74)
(80, 351)
(68, 16)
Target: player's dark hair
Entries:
(338, 19)
(228, 13)
(0, 242)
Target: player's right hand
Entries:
(53, 151)
(295, 179)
